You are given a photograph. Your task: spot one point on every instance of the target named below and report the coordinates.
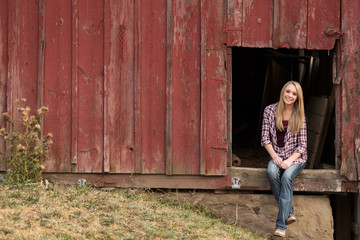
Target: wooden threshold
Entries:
(308, 180)
(238, 178)
(147, 181)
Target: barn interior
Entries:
(257, 78)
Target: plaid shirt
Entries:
(293, 142)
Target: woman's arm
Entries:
(276, 159)
(300, 149)
(288, 162)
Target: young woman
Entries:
(284, 136)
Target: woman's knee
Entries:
(287, 177)
(272, 170)
(290, 173)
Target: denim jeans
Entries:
(281, 182)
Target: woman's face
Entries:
(290, 94)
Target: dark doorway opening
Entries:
(257, 78)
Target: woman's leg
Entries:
(286, 194)
(273, 172)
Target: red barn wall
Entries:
(143, 86)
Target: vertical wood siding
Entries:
(183, 89)
(322, 15)
(214, 82)
(290, 23)
(23, 35)
(56, 82)
(350, 91)
(282, 23)
(3, 68)
(119, 62)
(258, 19)
(142, 86)
(234, 22)
(90, 76)
(152, 74)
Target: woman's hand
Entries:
(285, 164)
(278, 161)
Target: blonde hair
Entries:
(298, 112)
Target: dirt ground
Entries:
(258, 212)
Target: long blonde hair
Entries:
(298, 112)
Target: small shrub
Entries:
(27, 145)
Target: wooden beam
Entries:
(322, 181)
(142, 180)
(309, 180)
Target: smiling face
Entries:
(290, 94)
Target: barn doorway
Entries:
(257, 78)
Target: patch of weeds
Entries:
(50, 214)
(169, 234)
(104, 234)
(45, 223)
(106, 220)
(32, 199)
(112, 208)
(84, 189)
(89, 235)
(53, 193)
(119, 234)
(200, 208)
(15, 217)
(89, 205)
(64, 236)
(27, 145)
(16, 195)
(6, 231)
(8, 204)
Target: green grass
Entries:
(85, 212)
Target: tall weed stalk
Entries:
(26, 145)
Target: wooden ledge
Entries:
(308, 180)
(254, 179)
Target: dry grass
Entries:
(74, 212)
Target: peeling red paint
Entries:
(3, 67)
(144, 86)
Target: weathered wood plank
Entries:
(290, 24)
(90, 86)
(215, 143)
(183, 90)
(152, 74)
(258, 22)
(119, 141)
(312, 141)
(229, 107)
(234, 22)
(74, 83)
(214, 82)
(350, 89)
(322, 180)
(23, 42)
(169, 87)
(137, 95)
(56, 89)
(316, 112)
(315, 122)
(322, 15)
(3, 68)
(144, 181)
(317, 105)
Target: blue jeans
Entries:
(281, 182)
